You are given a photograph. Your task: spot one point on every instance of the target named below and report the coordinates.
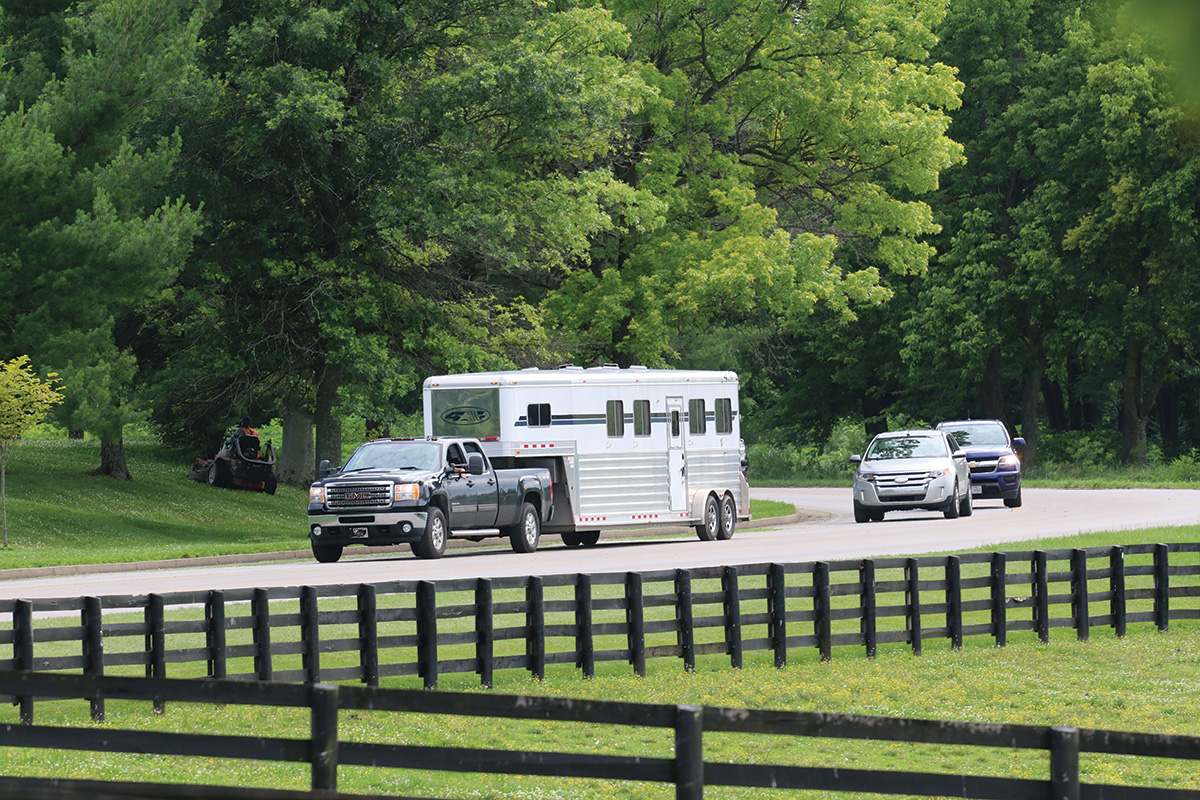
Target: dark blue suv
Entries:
(995, 467)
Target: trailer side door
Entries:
(676, 455)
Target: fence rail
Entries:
(325, 750)
(367, 632)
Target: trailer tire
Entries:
(528, 530)
(433, 542)
(589, 538)
(572, 539)
(711, 525)
(728, 518)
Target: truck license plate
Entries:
(976, 490)
(358, 533)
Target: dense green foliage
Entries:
(873, 210)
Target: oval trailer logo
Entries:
(466, 415)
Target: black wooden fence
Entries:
(688, 769)
(365, 632)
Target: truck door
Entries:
(486, 489)
(676, 455)
(461, 490)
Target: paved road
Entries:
(826, 531)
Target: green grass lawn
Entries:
(59, 514)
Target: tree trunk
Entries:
(295, 461)
(329, 426)
(3, 493)
(990, 389)
(1029, 408)
(112, 458)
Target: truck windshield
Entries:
(395, 455)
(968, 435)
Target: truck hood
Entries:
(365, 475)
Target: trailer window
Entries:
(641, 417)
(538, 415)
(724, 415)
(616, 418)
(696, 421)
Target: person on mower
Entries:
(243, 429)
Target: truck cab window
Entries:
(615, 413)
(538, 415)
(455, 457)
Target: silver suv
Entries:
(905, 470)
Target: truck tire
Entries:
(861, 512)
(327, 553)
(528, 530)
(728, 518)
(707, 530)
(950, 510)
(433, 542)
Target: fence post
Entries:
(585, 651)
(1064, 763)
(1162, 587)
(954, 622)
(310, 634)
(1116, 584)
(485, 631)
(156, 644)
(1079, 594)
(1000, 598)
(368, 633)
(689, 753)
(427, 644)
(214, 618)
(535, 623)
(93, 649)
(912, 574)
(324, 742)
(821, 610)
(23, 652)
(683, 614)
(260, 610)
(867, 602)
(733, 616)
(777, 610)
(635, 622)
(1041, 597)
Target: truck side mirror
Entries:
(475, 464)
(324, 470)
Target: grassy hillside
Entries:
(59, 513)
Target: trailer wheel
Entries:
(525, 535)
(433, 542)
(589, 538)
(572, 539)
(712, 521)
(728, 518)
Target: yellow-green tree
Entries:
(24, 400)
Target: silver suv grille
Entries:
(358, 495)
(916, 481)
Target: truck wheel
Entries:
(433, 541)
(728, 518)
(218, 474)
(525, 535)
(967, 507)
(950, 510)
(327, 553)
(1013, 502)
(712, 521)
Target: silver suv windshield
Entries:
(395, 455)
(890, 447)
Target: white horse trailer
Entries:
(626, 448)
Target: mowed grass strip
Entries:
(1143, 682)
(60, 514)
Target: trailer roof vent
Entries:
(569, 366)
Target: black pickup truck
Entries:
(422, 491)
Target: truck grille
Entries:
(355, 496)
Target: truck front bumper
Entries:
(391, 527)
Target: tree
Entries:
(786, 143)
(24, 401)
(87, 234)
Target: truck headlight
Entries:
(406, 491)
(316, 495)
(1009, 461)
